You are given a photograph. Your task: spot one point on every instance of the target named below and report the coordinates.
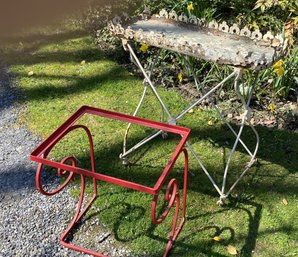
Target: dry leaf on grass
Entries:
(285, 201)
(269, 122)
(217, 239)
(30, 73)
(232, 250)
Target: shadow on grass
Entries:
(58, 57)
(45, 91)
(15, 49)
(185, 245)
(282, 151)
(146, 174)
(74, 83)
(278, 147)
(11, 53)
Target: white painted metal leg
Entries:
(149, 81)
(172, 120)
(215, 106)
(204, 96)
(122, 156)
(202, 166)
(133, 59)
(141, 143)
(248, 118)
(246, 115)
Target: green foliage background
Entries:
(262, 14)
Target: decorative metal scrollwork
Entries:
(129, 33)
(60, 173)
(223, 26)
(245, 32)
(193, 20)
(65, 160)
(183, 43)
(268, 36)
(171, 197)
(163, 14)
(173, 15)
(213, 25)
(116, 28)
(256, 35)
(234, 29)
(182, 17)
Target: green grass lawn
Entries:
(59, 72)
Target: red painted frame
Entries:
(172, 195)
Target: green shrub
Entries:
(172, 69)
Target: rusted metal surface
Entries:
(68, 167)
(214, 41)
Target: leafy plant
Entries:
(283, 13)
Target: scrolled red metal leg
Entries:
(78, 215)
(67, 167)
(80, 210)
(60, 173)
(172, 197)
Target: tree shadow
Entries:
(278, 147)
(187, 243)
(14, 50)
(78, 85)
(74, 83)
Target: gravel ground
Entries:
(31, 223)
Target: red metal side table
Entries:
(68, 164)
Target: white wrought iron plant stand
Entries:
(216, 42)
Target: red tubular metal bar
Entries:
(172, 196)
(56, 135)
